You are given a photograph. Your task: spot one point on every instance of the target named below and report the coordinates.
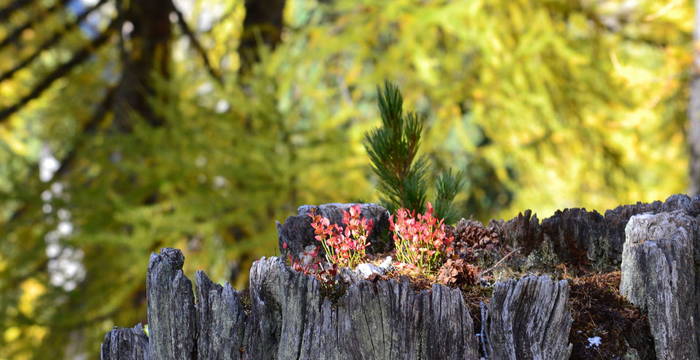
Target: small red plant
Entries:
(420, 240)
(343, 246)
(309, 263)
(324, 273)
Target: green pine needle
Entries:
(393, 151)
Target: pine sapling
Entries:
(447, 187)
(392, 149)
(393, 152)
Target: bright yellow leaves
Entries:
(31, 291)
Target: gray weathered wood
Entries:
(220, 320)
(527, 319)
(171, 314)
(659, 275)
(290, 318)
(125, 344)
(384, 320)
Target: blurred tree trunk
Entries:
(263, 24)
(694, 110)
(146, 51)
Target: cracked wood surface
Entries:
(290, 318)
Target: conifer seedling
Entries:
(393, 151)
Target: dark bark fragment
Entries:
(125, 344)
(584, 238)
(294, 235)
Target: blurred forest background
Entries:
(130, 125)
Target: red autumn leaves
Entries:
(421, 240)
(343, 247)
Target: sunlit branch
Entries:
(197, 45)
(78, 57)
(53, 40)
(17, 32)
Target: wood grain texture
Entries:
(659, 275)
(528, 319)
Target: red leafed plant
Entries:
(343, 247)
(324, 273)
(309, 263)
(420, 240)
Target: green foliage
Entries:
(447, 186)
(392, 149)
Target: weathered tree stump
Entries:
(585, 238)
(290, 318)
(286, 314)
(659, 275)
